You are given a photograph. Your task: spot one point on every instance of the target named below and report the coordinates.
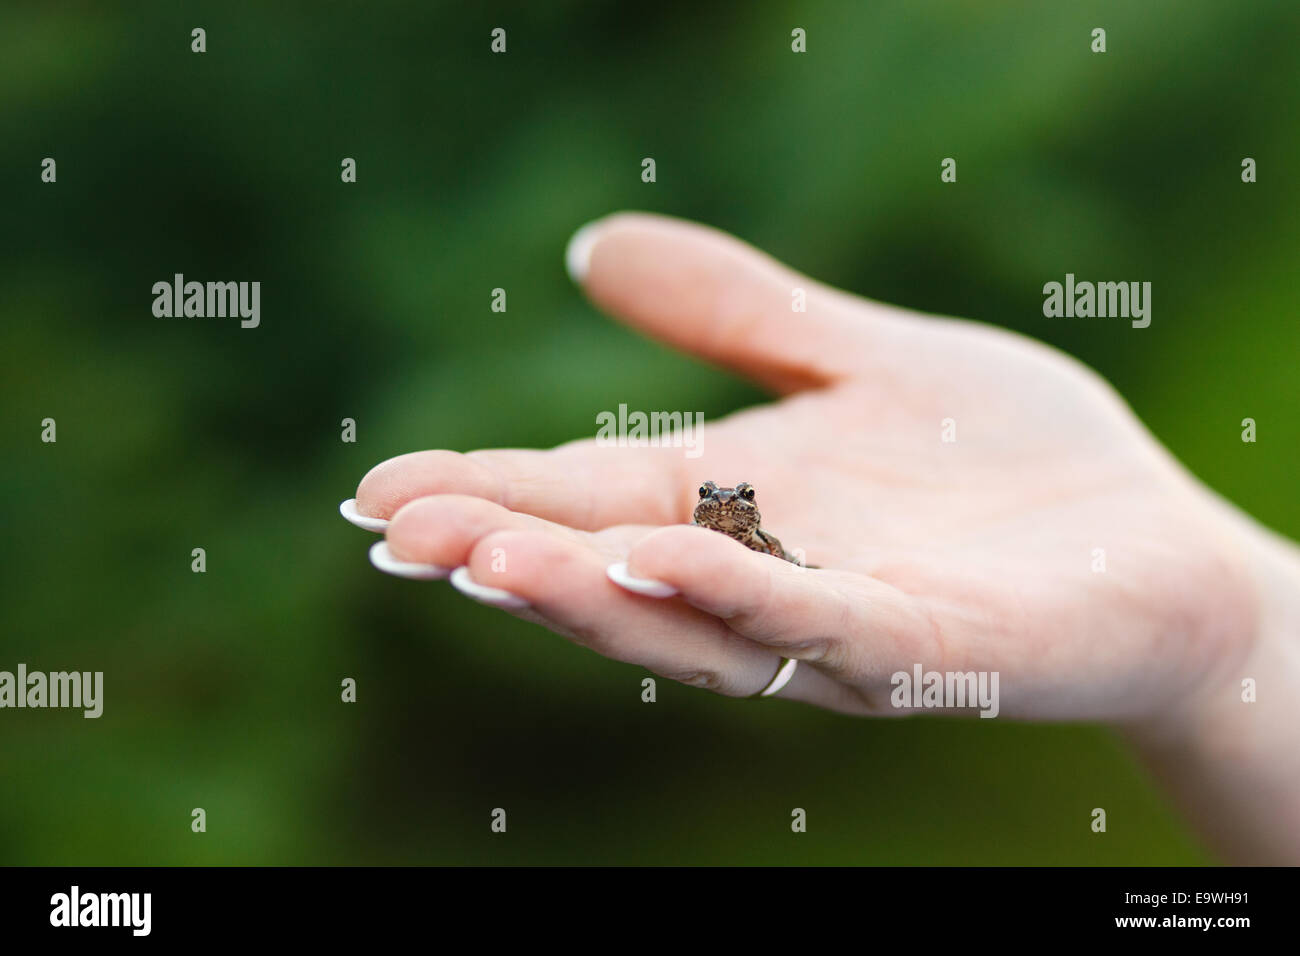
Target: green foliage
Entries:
(222, 689)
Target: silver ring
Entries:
(783, 675)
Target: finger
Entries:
(853, 627)
(442, 530)
(564, 582)
(703, 291)
(581, 484)
(556, 578)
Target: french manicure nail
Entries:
(383, 559)
(577, 255)
(348, 510)
(618, 573)
(496, 597)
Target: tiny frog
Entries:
(733, 512)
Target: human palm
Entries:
(973, 501)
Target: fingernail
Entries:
(348, 509)
(496, 597)
(577, 255)
(619, 575)
(383, 559)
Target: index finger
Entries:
(581, 484)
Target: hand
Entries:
(1053, 541)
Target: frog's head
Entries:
(729, 510)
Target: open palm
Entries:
(974, 501)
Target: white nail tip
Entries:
(783, 675)
(383, 559)
(577, 255)
(348, 510)
(496, 597)
(618, 573)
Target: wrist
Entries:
(1231, 754)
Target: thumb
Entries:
(708, 293)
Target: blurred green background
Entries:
(222, 689)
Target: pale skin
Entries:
(979, 553)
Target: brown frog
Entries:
(733, 512)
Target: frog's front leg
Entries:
(768, 544)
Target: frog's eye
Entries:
(704, 491)
(747, 492)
